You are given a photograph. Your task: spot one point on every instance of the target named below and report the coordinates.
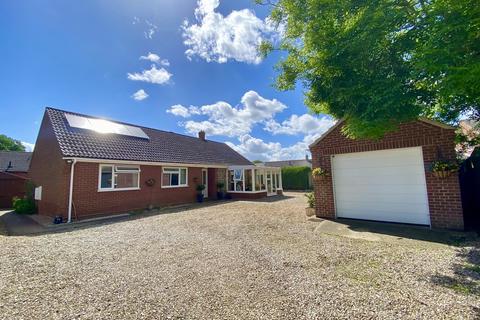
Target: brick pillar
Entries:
(323, 188)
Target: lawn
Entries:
(234, 260)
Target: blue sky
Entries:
(173, 65)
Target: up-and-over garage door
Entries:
(387, 185)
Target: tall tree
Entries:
(377, 63)
(9, 144)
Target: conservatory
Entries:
(254, 181)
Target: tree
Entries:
(378, 63)
(9, 144)
(257, 161)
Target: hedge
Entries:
(296, 178)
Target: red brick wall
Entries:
(12, 184)
(443, 194)
(89, 202)
(49, 170)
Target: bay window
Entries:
(118, 177)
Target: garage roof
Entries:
(429, 121)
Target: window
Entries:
(248, 180)
(259, 182)
(174, 177)
(119, 177)
(235, 180)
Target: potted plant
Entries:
(220, 193)
(319, 172)
(443, 169)
(310, 210)
(200, 196)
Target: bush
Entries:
(296, 178)
(23, 205)
(310, 199)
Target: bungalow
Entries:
(85, 166)
(13, 176)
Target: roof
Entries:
(162, 146)
(289, 163)
(429, 121)
(15, 161)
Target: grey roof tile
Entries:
(18, 161)
(163, 146)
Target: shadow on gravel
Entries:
(272, 199)
(466, 278)
(455, 238)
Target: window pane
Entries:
(125, 168)
(248, 180)
(171, 170)
(126, 180)
(166, 179)
(174, 179)
(230, 180)
(106, 177)
(238, 173)
(183, 176)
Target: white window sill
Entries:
(173, 187)
(120, 189)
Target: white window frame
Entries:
(113, 166)
(179, 170)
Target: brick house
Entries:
(85, 166)
(13, 176)
(388, 179)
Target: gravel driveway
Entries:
(234, 260)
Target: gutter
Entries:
(70, 195)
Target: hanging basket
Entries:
(442, 174)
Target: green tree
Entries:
(9, 144)
(377, 63)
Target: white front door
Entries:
(387, 185)
(205, 182)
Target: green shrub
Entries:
(23, 205)
(310, 199)
(296, 178)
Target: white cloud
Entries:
(154, 75)
(226, 120)
(150, 31)
(28, 146)
(304, 124)
(257, 149)
(155, 59)
(219, 38)
(179, 110)
(140, 95)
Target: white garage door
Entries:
(386, 185)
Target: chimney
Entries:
(201, 135)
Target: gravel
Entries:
(230, 260)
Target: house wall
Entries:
(88, 201)
(248, 196)
(436, 142)
(49, 170)
(12, 184)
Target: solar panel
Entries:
(104, 126)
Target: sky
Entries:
(180, 66)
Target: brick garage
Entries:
(435, 140)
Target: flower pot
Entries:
(200, 197)
(310, 212)
(442, 174)
(220, 195)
